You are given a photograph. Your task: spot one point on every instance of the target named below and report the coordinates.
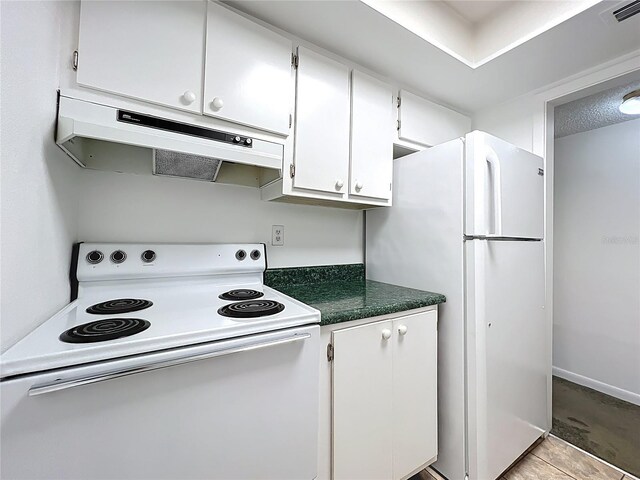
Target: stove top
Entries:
(208, 295)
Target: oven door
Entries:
(244, 408)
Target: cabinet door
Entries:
(151, 51)
(372, 105)
(415, 418)
(321, 152)
(362, 402)
(247, 72)
(428, 123)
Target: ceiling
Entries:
(476, 11)
(358, 32)
(594, 111)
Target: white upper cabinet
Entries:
(151, 51)
(248, 77)
(321, 149)
(372, 108)
(427, 123)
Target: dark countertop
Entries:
(342, 293)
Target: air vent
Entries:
(185, 165)
(627, 11)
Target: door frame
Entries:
(543, 144)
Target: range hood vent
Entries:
(627, 11)
(183, 165)
(102, 137)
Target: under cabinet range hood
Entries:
(109, 138)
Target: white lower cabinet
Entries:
(384, 398)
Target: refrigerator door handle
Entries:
(494, 166)
(500, 238)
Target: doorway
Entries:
(596, 273)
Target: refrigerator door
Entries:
(504, 189)
(507, 352)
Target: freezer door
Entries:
(504, 189)
(507, 352)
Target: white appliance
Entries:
(174, 362)
(97, 136)
(467, 221)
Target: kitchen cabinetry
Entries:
(321, 143)
(248, 73)
(151, 51)
(371, 167)
(385, 398)
(343, 148)
(426, 123)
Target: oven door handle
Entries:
(147, 367)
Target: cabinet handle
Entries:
(359, 185)
(386, 334)
(217, 103)
(189, 97)
(339, 184)
(402, 329)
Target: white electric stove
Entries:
(174, 358)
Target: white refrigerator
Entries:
(467, 221)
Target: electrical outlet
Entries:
(277, 235)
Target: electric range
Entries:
(178, 353)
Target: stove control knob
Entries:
(148, 256)
(94, 257)
(236, 139)
(248, 141)
(118, 256)
(255, 254)
(241, 254)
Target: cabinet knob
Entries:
(217, 103)
(386, 334)
(402, 329)
(189, 97)
(339, 184)
(359, 185)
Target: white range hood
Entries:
(110, 138)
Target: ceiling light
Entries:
(631, 103)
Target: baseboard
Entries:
(625, 395)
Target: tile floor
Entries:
(552, 459)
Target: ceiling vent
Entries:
(627, 11)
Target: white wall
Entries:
(139, 208)
(38, 210)
(512, 121)
(597, 258)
